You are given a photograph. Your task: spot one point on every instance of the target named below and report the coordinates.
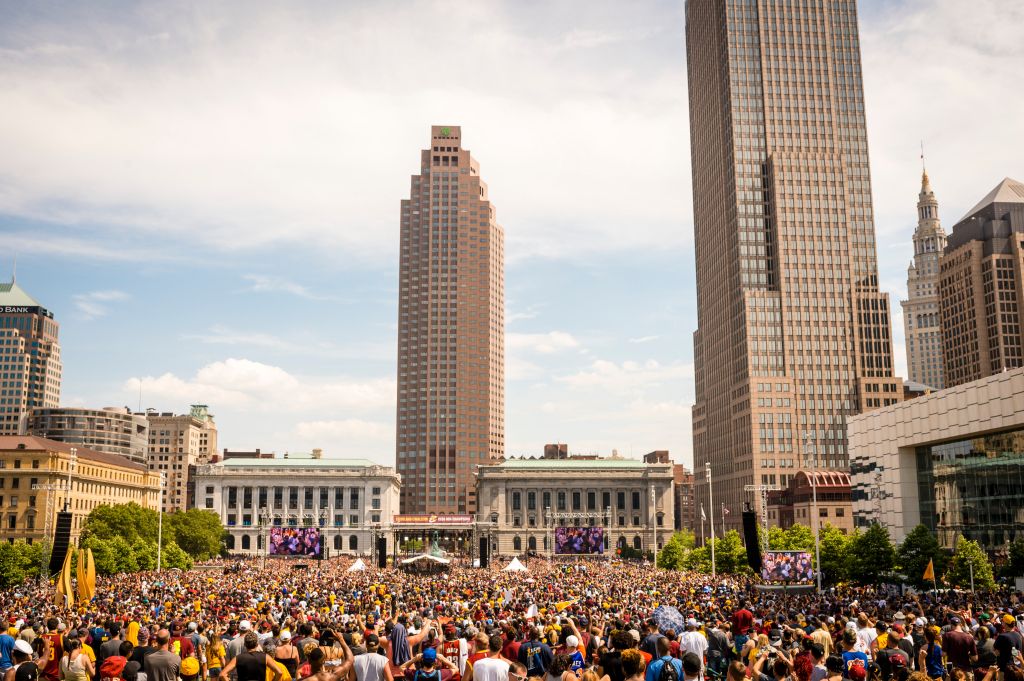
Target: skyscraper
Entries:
(981, 288)
(921, 326)
(451, 331)
(793, 333)
(30, 357)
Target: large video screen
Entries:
(787, 566)
(294, 541)
(579, 540)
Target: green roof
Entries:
(574, 464)
(12, 294)
(299, 462)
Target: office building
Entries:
(523, 501)
(451, 331)
(684, 508)
(952, 460)
(177, 444)
(349, 499)
(30, 357)
(980, 287)
(33, 485)
(824, 493)
(114, 430)
(921, 327)
(793, 334)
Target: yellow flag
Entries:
(90, 573)
(83, 587)
(929, 572)
(562, 605)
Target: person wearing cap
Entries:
(821, 636)
(866, 635)
(454, 648)
(373, 665)
(535, 654)
(51, 670)
(959, 646)
(1008, 640)
(252, 664)
(692, 641)
(852, 657)
(286, 654)
(904, 642)
(23, 668)
(236, 646)
(6, 648)
(429, 666)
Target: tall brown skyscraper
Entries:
(793, 334)
(451, 331)
(981, 288)
(30, 356)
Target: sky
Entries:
(207, 195)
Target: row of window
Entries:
(577, 501)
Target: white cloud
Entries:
(237, 384)
(265, 284)
(352, 438)
(542, 343)
(644, 339)
(95, 304)
(629, 375)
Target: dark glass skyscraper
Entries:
(793, 333)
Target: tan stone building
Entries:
(33, 485)
(981, 287)
(451, 330)
(114, 430)
(952, 460)
(825, 494)
(30, 357)
(523, 501)
(921, 326)
(793, 334)
(177, 444)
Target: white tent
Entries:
(427, 557)
(514, 566)
(357, 566)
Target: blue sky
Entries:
(207, 196)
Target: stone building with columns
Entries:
(351, 500)
(523, 501)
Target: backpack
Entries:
(668, 671)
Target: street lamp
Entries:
(72, 460)
(711, 503)
(160, 522)
(813, 461)
(654, 524)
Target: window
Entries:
(229, 543)
(15, 483)
(262, 497)
(246, 500)
(636, 521)
(561, 501)
(606, 500)
(546, 500)
(591, 501)
(516, 521)
(516, 505)
(307, 498)
(293, 497)
(622, 520)
(531, 543)
(620, 500)
(339, 520)
(246, 542)
(323, 497)
(517, 544)
(531, 501)
(353, 500)
(338, 493)
(353, 520)
(232, 519)
(337, 542)
(375, 491)
(840, 512)
(353, 543)
(637, 543)
(209, 502)
(278, 497)
(636, 501)
(209, 489)
(577, 501)
(375, 504)
(823, 512)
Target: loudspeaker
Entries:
(484, 551)
(61, 541)
(382, 552)
(750, 539)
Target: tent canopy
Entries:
(357, 566)
(514, 566)
(426, 557)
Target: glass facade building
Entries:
(974, 488)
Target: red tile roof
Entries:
(9, 444)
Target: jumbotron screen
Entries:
(787, 566)
(579, 540)
(294, 541)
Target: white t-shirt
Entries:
(490, 669)
(369, 667)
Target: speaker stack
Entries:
(484, 551)
(61, 541)
(751, 540)
(382, 552)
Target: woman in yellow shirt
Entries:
(215, 653)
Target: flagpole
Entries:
(711, 504)
(702, 524)
(723, 521)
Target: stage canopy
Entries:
(426, 557)
(514, 566)
(357, 566)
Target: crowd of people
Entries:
(590, 621)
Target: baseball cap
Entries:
(857, 673)
(898, 628)
(23, 646)
(571, 641)
(244, 625)
(1008, 620)
(635, 634)
(430, 655)
(954, 620)
(372, 640)
(691, 622)
(899, 616)
(286, 635)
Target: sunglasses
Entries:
(517, 676)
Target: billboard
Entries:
(432, 519)
(579, 540)
(294, 541)
(787, 566)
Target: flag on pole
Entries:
(725, 511)
(929, 572)
(702, 516)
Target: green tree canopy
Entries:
(920, 546)
(871, 555)
(128, 521)
(834, 545)
(967, 556)
(675, 551)
(197, 532)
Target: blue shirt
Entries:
(6, 648)
(851, 659)
(654, 668)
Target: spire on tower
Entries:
(14, 270)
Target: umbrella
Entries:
(668, 617)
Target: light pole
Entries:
(654, 524)
(160, 522)
(711, 504)
(817, 520)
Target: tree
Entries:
(673, 554)
(871, 555)
(103, 556)
(835, 553)
(731, 555)
(197, 532)
(174, 557)
(1015, 560)
(796, 538)
(129, 521)
(920, 546)
(145, 554)
(968, 555)
(18, 561)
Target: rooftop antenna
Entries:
(922, 156)
(14, 270)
